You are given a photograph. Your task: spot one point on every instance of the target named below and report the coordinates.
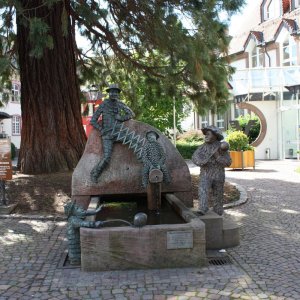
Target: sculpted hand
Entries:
(99, 208)
(98, 223)
(216, 154)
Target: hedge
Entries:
(187, 149)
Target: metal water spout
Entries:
(154, 189)
(140, 220)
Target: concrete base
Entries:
(220, 233)
(152, 246)
(7, 209)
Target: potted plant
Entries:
(241, 153)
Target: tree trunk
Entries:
(53, 137)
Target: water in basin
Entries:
(126, 206)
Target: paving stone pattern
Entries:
(265, 266)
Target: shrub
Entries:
(255, 129)
(13, 151)
(188, 142)
(187, 149)
(191, 136)
(238, 141)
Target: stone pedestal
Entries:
(220, 233)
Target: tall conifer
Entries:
(178, 44)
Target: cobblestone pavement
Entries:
(265, 266)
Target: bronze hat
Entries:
(113, 86)
(152, 131)
(215, 130)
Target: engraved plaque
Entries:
(5, 160)
(180, 239)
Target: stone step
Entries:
(219, 233)
(231, 234)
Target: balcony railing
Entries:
(264, 80)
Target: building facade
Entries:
(266, 56)
(11, 105)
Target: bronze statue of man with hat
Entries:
(212, 157)
(114, 113)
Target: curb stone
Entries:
(243, 196)
(34, 217)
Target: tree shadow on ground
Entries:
(42, 194)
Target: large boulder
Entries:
(124, 172)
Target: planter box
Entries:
(242, 159)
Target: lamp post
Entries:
(93, 93)
(174, 122)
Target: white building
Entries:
(266, 55)
(11, 105)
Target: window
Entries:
(16, 125)
(204, 121)
(257, 57)
(220, 121)
(289, 50)
(274, 8)
(238, 112)
(196, 121)
(271, 10)
(15, 92)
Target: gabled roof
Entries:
(267, 30)
(290, 25)
(258, 36)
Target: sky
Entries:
(237, 19)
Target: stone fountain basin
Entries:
(152, 246)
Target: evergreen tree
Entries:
(149, 97)
(178, 44)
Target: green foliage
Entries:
(151, 37)
(188, 142)
(39, 37)
(4, 64)
(7, 61)
(238, 141)
(187, 149)
(192, 136)
(167, 40)
(146, 96)
(255, 129)
(165, 50)
(13, 151)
